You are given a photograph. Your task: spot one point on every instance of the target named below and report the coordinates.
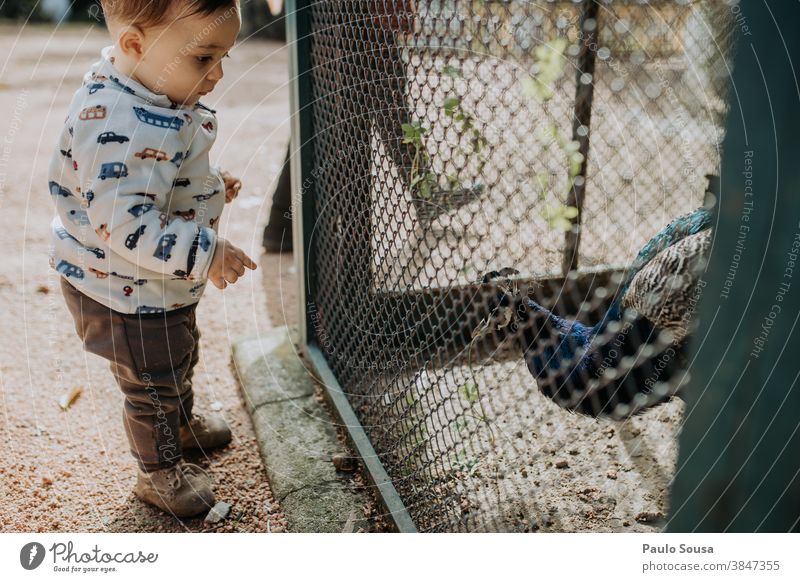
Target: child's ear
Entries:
(131, 41)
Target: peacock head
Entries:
(503, 294)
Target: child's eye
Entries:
(207, 59)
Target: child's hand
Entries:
(228, 264)
(232, 186)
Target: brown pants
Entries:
(152, 358)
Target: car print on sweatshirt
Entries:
(139, 209)
(128, 278)
(69, 270)
(57, 189)
(164, 248)
(204, 241)
(133, 238)
(121, 84)
(62, 234)
(113, 170)
(94, 112)
(78, 217)
(169, 122)
(151, 153)
(103, 232)
(147, 310)
(178, 158)
(110, 136)
(99, 253)
(98, 274)
(185, 214)
(206, 196)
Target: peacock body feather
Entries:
(577, 364)
(665, 289)
(678, 230)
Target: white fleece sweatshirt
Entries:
(137, 201)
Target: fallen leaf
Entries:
(69, 398)
(344, 463)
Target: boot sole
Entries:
(205, 503)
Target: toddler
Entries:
(135, 233)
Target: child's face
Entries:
(177, 60)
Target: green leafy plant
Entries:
(453, 108)
(549, 59)
(461, 460)
(560, 216)
(470, 392)
(453, 72)
(549, 67)
(423, 181)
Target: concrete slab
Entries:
(270, 369)
(296, 436)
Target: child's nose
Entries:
(216, 73)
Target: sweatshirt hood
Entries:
(105, 68)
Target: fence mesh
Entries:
(455, 138)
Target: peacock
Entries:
(619, 365)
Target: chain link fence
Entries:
(456, 138)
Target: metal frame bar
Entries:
(298, 39)
(301, 148)
(584, 96)
(450, 336)
(387, 494)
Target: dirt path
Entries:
(71, 471)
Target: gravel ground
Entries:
(71, 471)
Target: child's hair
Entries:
(151, 13)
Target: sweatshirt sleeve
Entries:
(127, 164)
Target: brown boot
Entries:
(205, 432)
(182, 490)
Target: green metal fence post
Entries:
(298, 39)
(738, 465)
